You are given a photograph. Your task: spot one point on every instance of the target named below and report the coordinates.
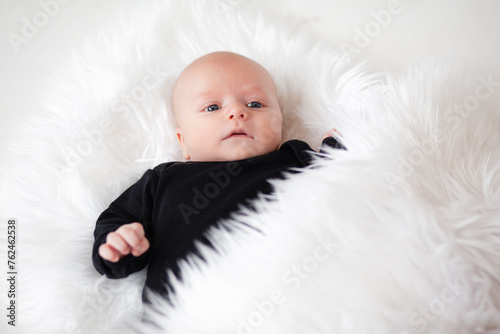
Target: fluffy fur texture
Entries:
(399, 234)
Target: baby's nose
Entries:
(238, 112)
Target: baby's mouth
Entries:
(238, 133)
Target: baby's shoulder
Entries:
(158, 170)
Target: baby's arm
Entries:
(121, 244)
(127, 239)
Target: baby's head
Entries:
(226, 107)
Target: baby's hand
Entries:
(331, 133)
(127, 239)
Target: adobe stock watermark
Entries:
(201, 198)
(453, 118)
(420, 319)
(373, 28)
(94, 138)
(292, 279)
(32, 26)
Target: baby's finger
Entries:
(133, 234)
(109, 253)
(141, 247)
(116, 241)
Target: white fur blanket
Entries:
(399, 234)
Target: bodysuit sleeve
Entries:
(332, 142)
(133, 205)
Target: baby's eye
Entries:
(254, 105)
(212, 107)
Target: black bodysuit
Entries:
(178, 201)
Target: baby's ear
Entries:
(180, 138)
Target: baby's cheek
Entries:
(272, 131)
(270, 138)
(254, 151)
(209, 151)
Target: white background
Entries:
(421, 30)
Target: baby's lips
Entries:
(238, 131)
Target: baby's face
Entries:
(227, 109)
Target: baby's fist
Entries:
(127, 239)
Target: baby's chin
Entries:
(239, 153)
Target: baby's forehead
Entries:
(208, 92)
(216, 66)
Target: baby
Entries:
(229, 129)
